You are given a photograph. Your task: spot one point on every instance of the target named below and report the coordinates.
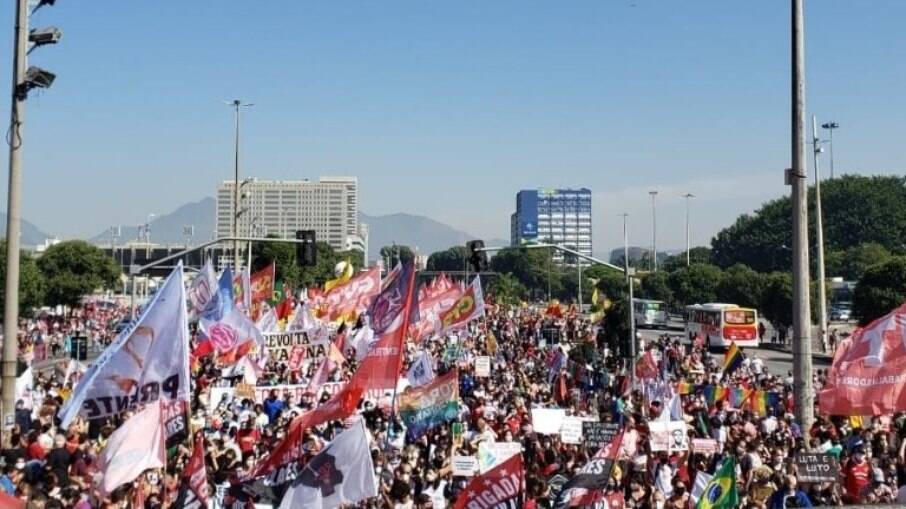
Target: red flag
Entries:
(588, 483)
(195, 472)
(391, 314)
(286, 306)
(262, 288)
(866, 377)
(346, 301)
(501, 486)
(10, 502)
(289, 450)
(647, 366)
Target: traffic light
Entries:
(307, 250)
(477, 258)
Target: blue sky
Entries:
(448, 108)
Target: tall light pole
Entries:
(819, 239)
(236, 104)
(23, 81)
(830, 126)
(688, 196)
(625, 247)
(653, 229)
(797, 178)
(631, 305)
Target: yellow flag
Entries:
(343, 277)
(594, 297)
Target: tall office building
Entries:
(329, 206)
(553, 216)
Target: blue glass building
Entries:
(553, 216)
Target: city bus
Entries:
(649, 313)
(718, 325)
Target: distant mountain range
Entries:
(411, 230)
(30, 236)
(423, 233)
(168, 228)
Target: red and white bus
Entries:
(722, 324)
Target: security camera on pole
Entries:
(25, 79)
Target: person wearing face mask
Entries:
(437, 489)
(680, 497)
(789, 496)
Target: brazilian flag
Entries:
(721, 491)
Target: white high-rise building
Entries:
(329, 206)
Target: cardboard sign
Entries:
(598, 434)
(491, 454)
(705, 445)
(465, 466)
(668, 436)
(483, 366)
(548, 421)
(571, 431)
(816, 468)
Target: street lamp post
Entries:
(236, 104)
(819, 239)
(654, 229)
(830, 126)
(23, 81)
(688, 196)
(625, 247)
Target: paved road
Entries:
(776, 360)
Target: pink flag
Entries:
(136, 446)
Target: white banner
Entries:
(147, 361)
(491, 454)
(295, 391)
(571, 431)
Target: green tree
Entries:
(394, 254)
(655, 286)
(31, 281)
(507, 290)
(449, 259)
(777, 299)
(531, 267)
(282, 255)
(696, 284)
(881, 289)
(740, 285)
(851, 263)
(75, 268)
(857, 210)
(699, 254)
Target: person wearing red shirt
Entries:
(247, 437)
(857, 476)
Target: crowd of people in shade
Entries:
(574, 368)
(49, 334)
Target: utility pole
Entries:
(819, 240)
(653, 229)
(797, 179)
(236, 104)
(687, 196)
(13, 208)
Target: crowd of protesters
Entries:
(538, 360)
(49, 334)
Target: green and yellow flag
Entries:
(720, 492)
